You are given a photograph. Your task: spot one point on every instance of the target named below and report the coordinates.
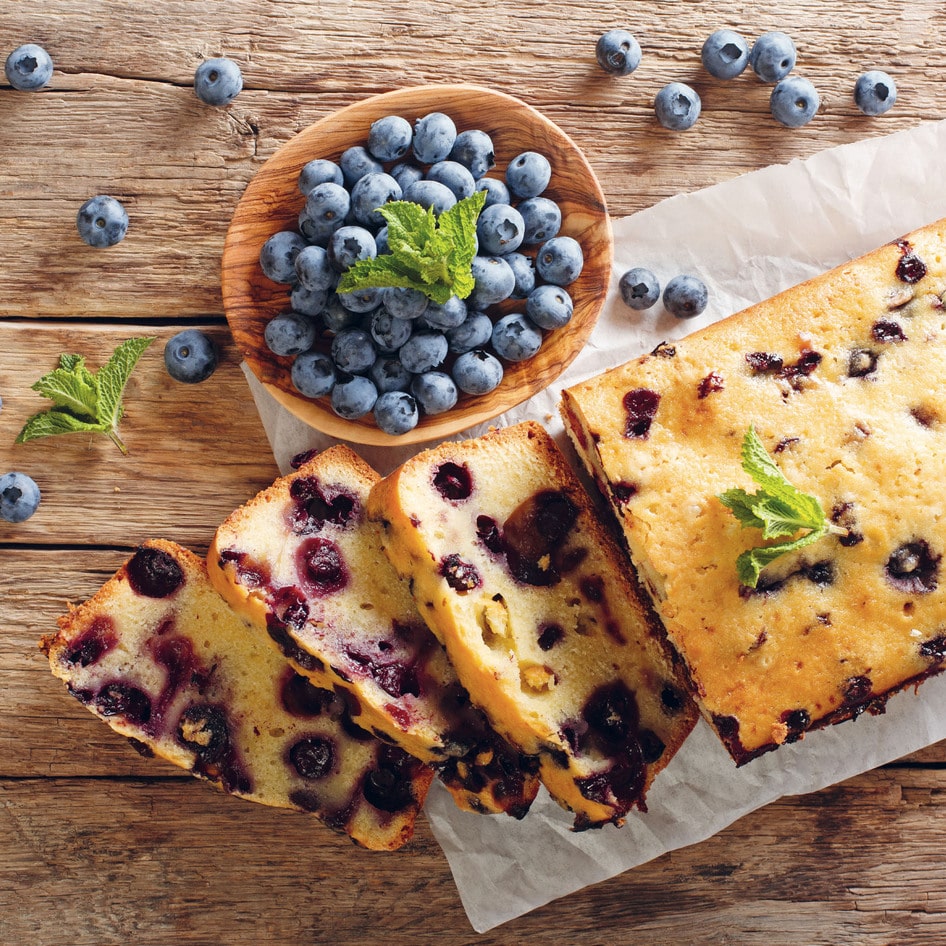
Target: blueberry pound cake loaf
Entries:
(304, 565)
(530, 595)
(162, 658)
(796, 616)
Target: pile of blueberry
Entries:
(725, 54)
(391, 352)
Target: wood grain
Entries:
(272, 203)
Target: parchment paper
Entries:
(747, 239)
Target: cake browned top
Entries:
(843, 378)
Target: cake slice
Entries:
(531, 597)
(304, 566)
(162, 658)
(843, 380)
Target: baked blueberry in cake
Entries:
(301, 562)
(843, 381)
(161, 657)
(531, 597)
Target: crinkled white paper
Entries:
(747, 239)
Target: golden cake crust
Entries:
(843, 379)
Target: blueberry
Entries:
(349, 244)
(313, 374)
(725, 54)
(474, 332)
(389, 333)
(319, 171)
(19, 496)
(389, 138)
(434, 135)
(685, 296)
(560, 260)
(361, 300)
(381, 241)
(542, 218)
(290, 333)
(434, 391)
(404, 303)
(493, 281)
(528, 174)
(794, 101)
(474, 150)
(353, 350)
(28, 67)
(430, 194)
(496, 191)
(218, 81)
(356, 162)
(677, 106)
(549, 306)
(500, 229)
(395, 412)
(423, 351)
(618, 52)
(406, 174)
(639, 288)
(277, 258)
(875, 92)
(353, 396)
(326, 209)
(313, 268)
(523, 268)
(190, 356)
(772, 56)
(102, 221)
(454, 176)
(446, 315)
(516, 337)
(389, 374)
(371, 192)
(477, 372)
(335, 316)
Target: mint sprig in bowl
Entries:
(272, 203)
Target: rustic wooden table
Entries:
(99, 846)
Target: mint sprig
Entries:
(778, 508)
(429, 253)
(85, 401)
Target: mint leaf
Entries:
(778, 509)
(431, 254)
(84, 401)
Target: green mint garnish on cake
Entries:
(429, 253)
(779, 509)
(85, 401)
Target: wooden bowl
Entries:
(272, 202)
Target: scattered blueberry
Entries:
(430, 194)
(528, 174)
(549, 306)
(560, 260)
(772, 56)
(19, 496)
(677, 106)
(794, 101)
(618, 52)
(319, 171)
(435, 391)
(28, 68)
(685, 296)
(313, 374)
(353, 396)
(190, 356)
(500, 229)
(639, 288)
(474, 150)
(102, 221)
(290, 333)
(515, 337)
(875, 92)
(477, 372)
(434, 135)
(395, 412)
(725, 54)
(218, 81)
(389, 138)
